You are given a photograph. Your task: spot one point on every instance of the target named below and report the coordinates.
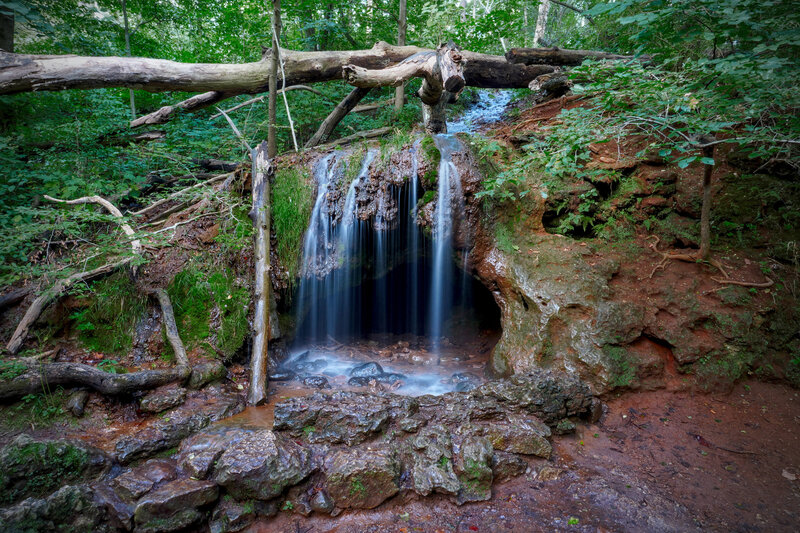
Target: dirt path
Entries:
(657, 461)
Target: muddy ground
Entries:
(657, 461)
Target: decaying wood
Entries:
(13, 297)
(38, 377)
(195, 103)
(261, 98)
(340, 111)
(172, 328)
(44, 299)
(216, 164)
(373, 106)
(358, 136)
(260, 214)
(557, 56)
(144, 211)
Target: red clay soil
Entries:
(657, 461)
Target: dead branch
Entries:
(340, 111)
(261, 98)
(557, 56)
(61, 286)
(179, 193)
(13, 297)
(359, 136)
(38, 375)
(172, 328)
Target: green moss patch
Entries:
(292, 202)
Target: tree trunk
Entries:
(336, 116)
(260, 214)
(128, 53)
(38, 376)
(705, 210)
(399, 93)
(273, 78)
(541, 21)
(172, 328)
(7, 32)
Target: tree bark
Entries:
(556, 56)
(128, 53)
(273, 79)
(44, 299)
(38, 376)
(260, 214)
(340, 111)
(399, 93)
(541, 21)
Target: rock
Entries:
(473, 464)
(507, 465)
(361, 478)
(389, 378)
(465, 386)
(162, 398)
(518, 434)
(360, 381)
(366, 370)
(198, 453)
(205, 373)
(166, 433)
(548, 473)
(76, 403)
(70, 508)
(230, 516)
(410, 424)
(261, 465)
(36, 467)
(134, 483)
(321, 502)
(318, 382)
(596, 410)
(309, 366)
(174, 506)
(348, 417)
(118, 513)
(433, 462)
(564, 427)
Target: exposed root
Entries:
(172, 328)
(666, 257)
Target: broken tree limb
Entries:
(339, 112)
(173, 196)
(358, 136)
(195, 103)
(373, 106)
(13, 297)
(260, 214)
(261, 98)
(42, 301)
(172, 328)
(38, 376)
(111, 208)
(557, 56)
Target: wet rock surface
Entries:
(174, 506)
(361, 478)
(206, 373)
(162, 398)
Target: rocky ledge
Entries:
(326, 453)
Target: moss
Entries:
(352, 168)
(292, 202)
(427, 198)
(622, 371)
(38, 468)
(108, 323)
(721, 369)
(357, 487)
(431, 154)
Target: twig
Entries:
(174, 195)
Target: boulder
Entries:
(473, 464)
(524, 435)
(136, 482)
(162, 398)
(118, 513)
(70, 508)
(164, 434)
(230, 516)
(205, 373)
(317, 382)
(261, 465)
(174, 506)
(433, 462)
(76, 403)
(507, 465)
(197, 454)
(366, 370)
(37, 467)
(361, 478)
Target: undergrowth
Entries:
(292, 202)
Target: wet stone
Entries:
(261, 465)
(76, 403)
(518, 434)
(174, 506)
(360, 381)
(230, 516)
(70, 508)
(166, 433)
(433, 462)
(507, 465)
(564, 427)
(474, 468)
(389, 378)
(134, 483)
(198, 453)
(318, 382)
(361, 478)
(282, 375)
(410, 425)
(118, 513)
(366, 370)
(321, 502)
(310, 366)
(162, 398)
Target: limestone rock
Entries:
(166, 433)
(174, 506)
(162, 398)
(507, 465)
(433, 462)
(518, 434)
(76, 403)
(261, 465)
(136, 482)
(361, 478)
(197, 454)
(230, 516)
(473, 464)
(70, 508)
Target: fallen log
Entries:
(13, 297)
(339, 112)
(44, 299)
(39, 377)
(216, 164)
(558, 56)
(359, 136)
